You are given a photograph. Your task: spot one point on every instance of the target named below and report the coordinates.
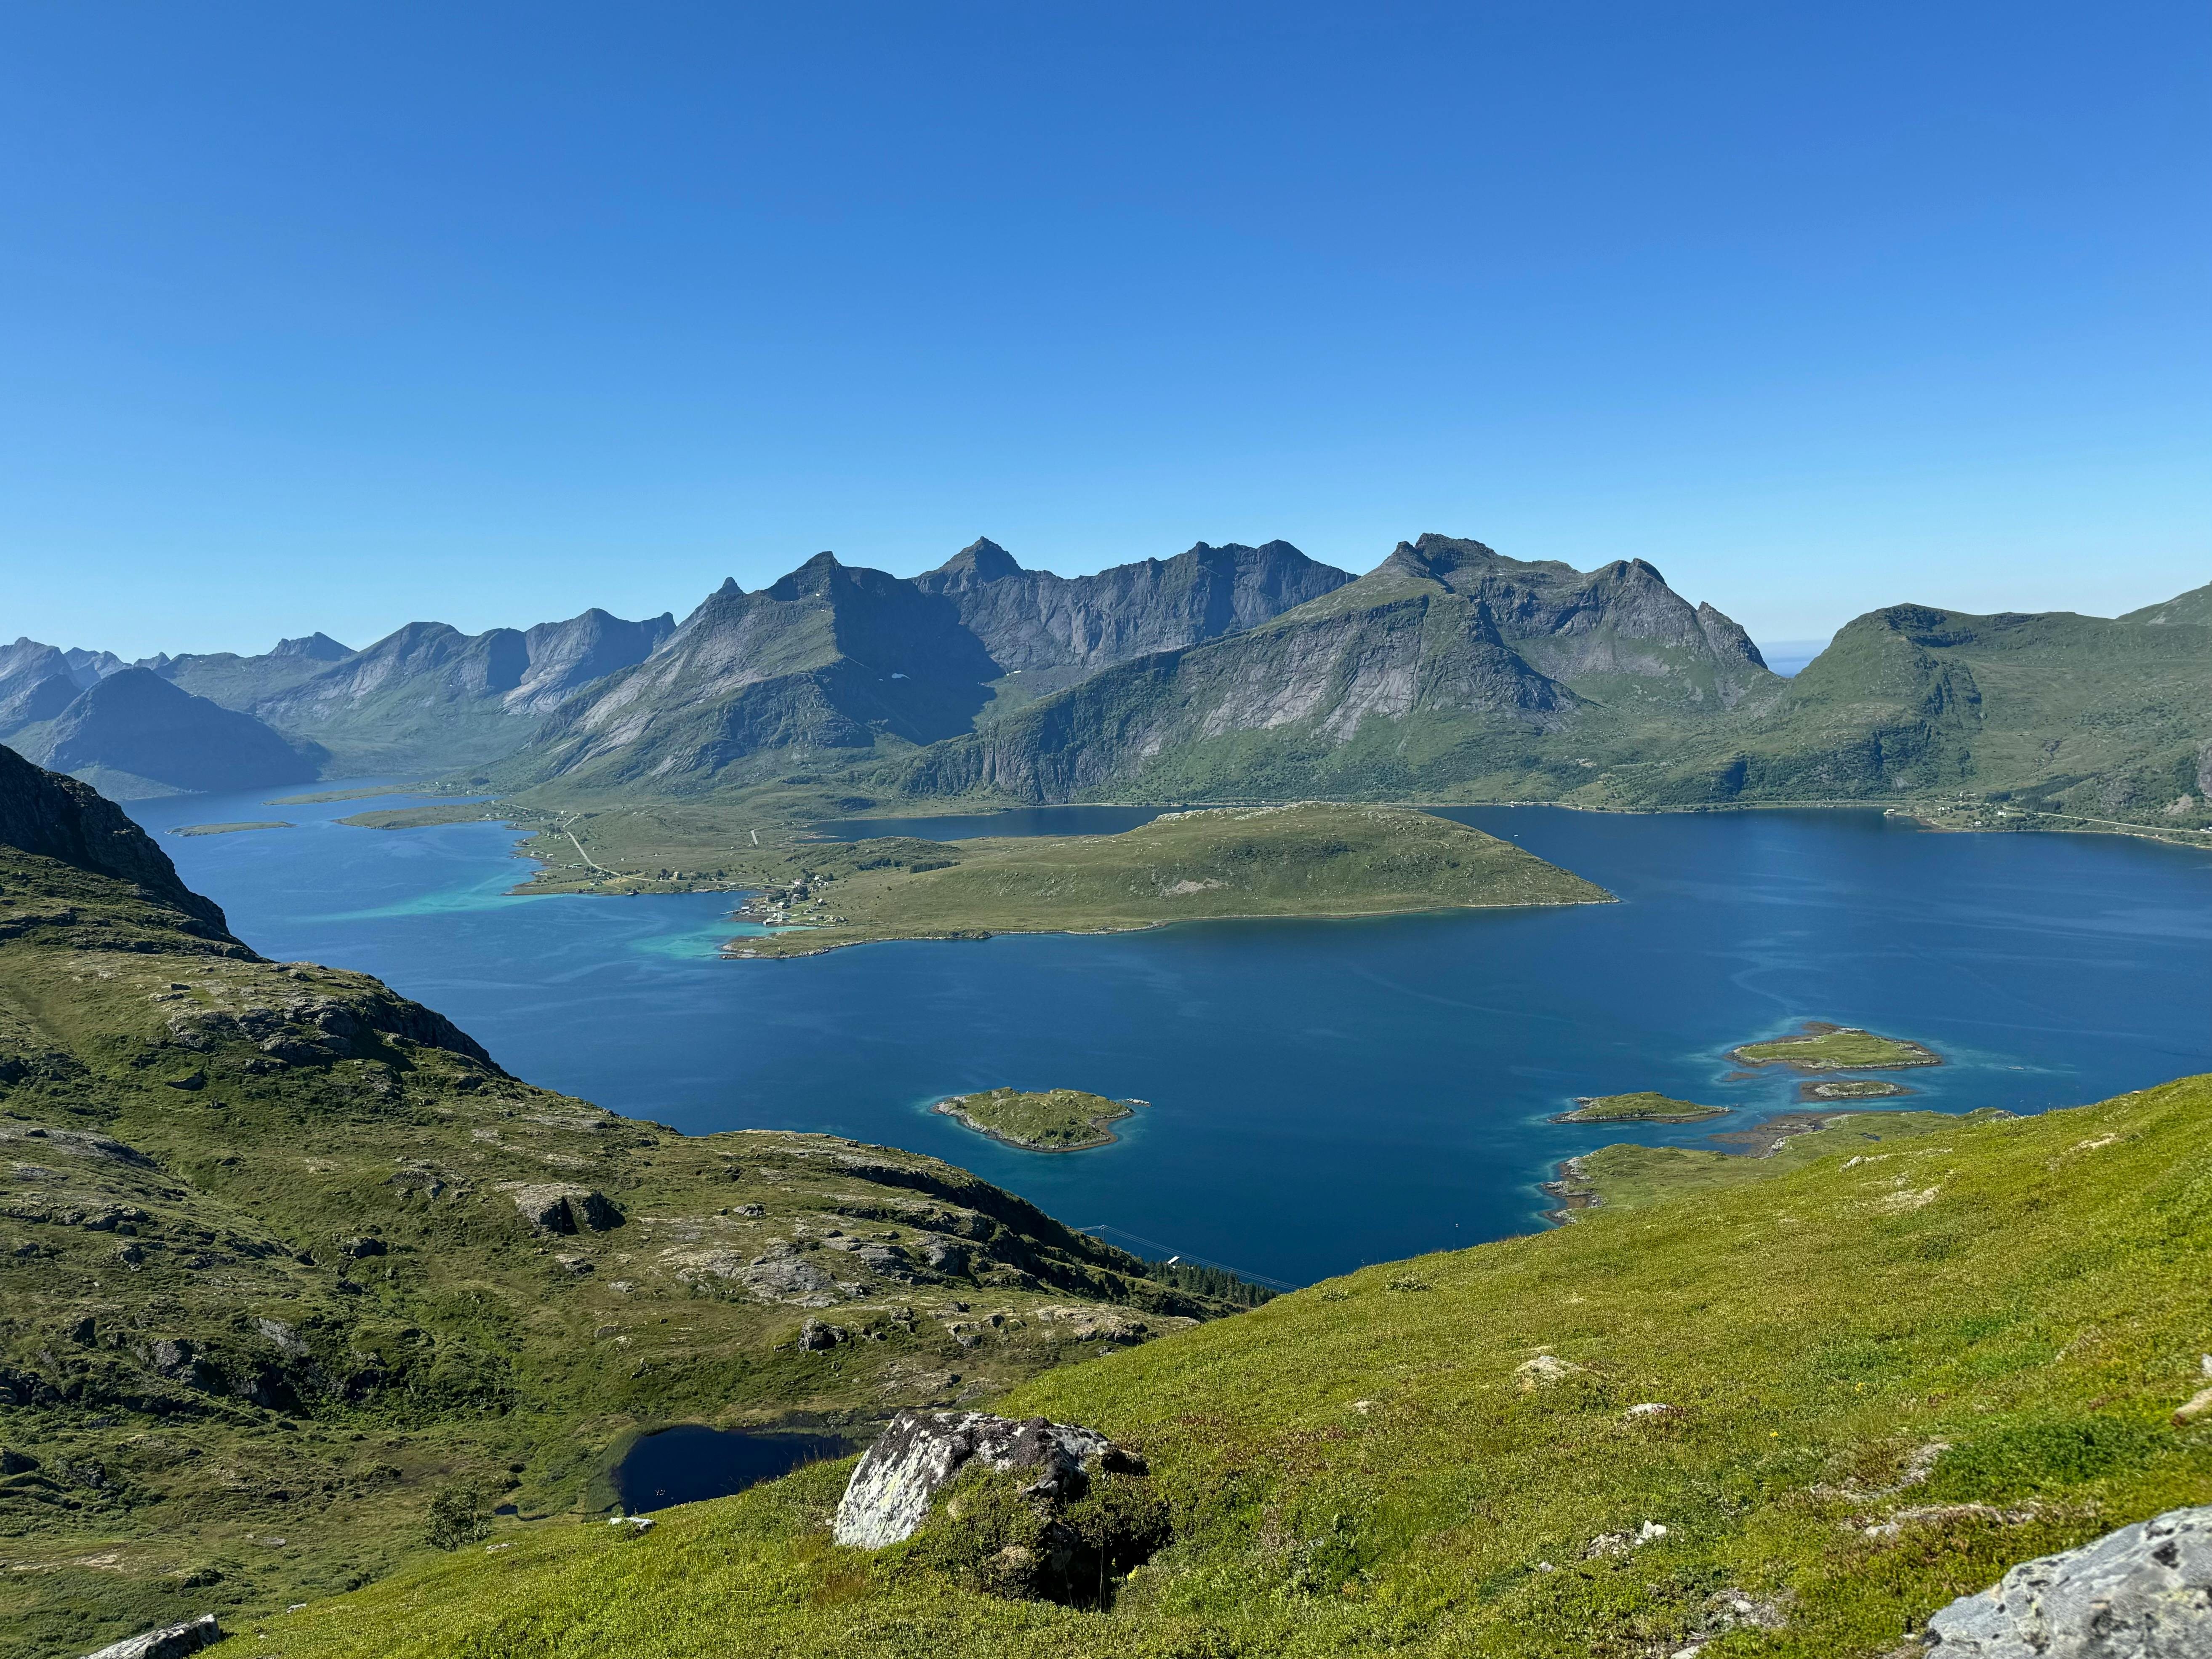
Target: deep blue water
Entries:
(691, 1461)
(1324, 1093)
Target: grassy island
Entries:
(1050, 1121)
(1645, 1106)
(1300, 861)
(1850, 1088)
(1820, 1047)
(228, 828)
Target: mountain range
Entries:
(1448, 671)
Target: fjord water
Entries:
(1323, 1093)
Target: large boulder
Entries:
(170, 1642)
(922, 1452)
(2144, 1592)
(559, 1208)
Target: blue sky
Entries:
(338, 316)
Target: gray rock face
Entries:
(58, 817)
(559, 1207)
(170, 1642)
(921, 1452)
(2144, 1592)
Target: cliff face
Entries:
(1446, 664)
(832, 660)
(1034, 623)
(144, 735)
(55, 817)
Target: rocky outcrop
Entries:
(2144, 1592)
(922, 1452)
(170, 1642)
(56, 816)
(559, 1207)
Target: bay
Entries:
(1324, 1093)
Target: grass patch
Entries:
(1857, 1431)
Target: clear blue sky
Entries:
(337, 315)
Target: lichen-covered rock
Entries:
(2144, 1592)
(557, 1208)
(170, 1642)
(921, 1452)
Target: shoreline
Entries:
(977, 935)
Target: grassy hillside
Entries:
(1297, 861)
(1884, 1383)
(286, 1264)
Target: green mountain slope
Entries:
(2194, 606)
(286, 1259)
(2060, 712)
(1793, 1416)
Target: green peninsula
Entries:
(1308, 859)
(1050, 1121)
(228, 828)
(1628, 1177)
(1645, 1106)
(1821, 1046)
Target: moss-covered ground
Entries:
(1884, 1377)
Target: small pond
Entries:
(691, 1463)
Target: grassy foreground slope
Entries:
(1308, 859)
(1885, 1383)
(286, 1263)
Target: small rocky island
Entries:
(1850, 1088)
(1645, 1106)
(1051, 1120)
(1821, 1046)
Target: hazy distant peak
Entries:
(90, 667)
(317, 647)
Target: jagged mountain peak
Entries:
(316, 647)
(982, 561)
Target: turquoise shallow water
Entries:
(1324, 1093)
